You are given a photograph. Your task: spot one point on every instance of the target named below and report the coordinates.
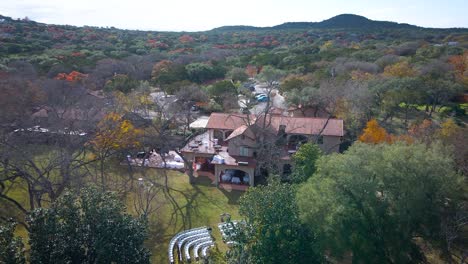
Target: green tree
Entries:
(121, 82)
(271, 75)
(90, 227)
(202, 72)
(11, 247)
(375, 200)
(221, 88)
(437, 92)
(304, 162)
(291, 83)
(224, 93)
(276, 235)
(238, 75)
(398, 95)
(166, 75)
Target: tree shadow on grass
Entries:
(188, 207)
(204, 181)
(233, 196)
(184, 210)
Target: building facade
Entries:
(227, 150)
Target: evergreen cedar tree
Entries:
(87, 227)
(273, 232)
(305, 162)
(11, 248)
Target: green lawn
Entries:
(185, 206)
(181, 206)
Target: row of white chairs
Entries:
(227, 229)
(194, 243)
(187, 239)
(204, 247)
(174, 240)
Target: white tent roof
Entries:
(200, 122)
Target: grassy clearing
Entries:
(181, 206)
(185, 206)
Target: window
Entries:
(282, 129)
(243, 151)
(320, 140)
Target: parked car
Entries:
(249, 85)
(262, 98)
(141, 155)
(194, 108)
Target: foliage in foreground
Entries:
(376, 200)
(305, 162)
(89, 227)
(11, 247)
(273, 232)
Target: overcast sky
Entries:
(198, 15)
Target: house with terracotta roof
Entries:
(227, 151)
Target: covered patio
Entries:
(210, 158)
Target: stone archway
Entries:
(220, 168)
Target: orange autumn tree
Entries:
(373, 133)
(251, 70)
(448, 129)
(454, 135)
(460, 64)
(186, 39)
(73, 76)
(423, 131)
(358, 75)
(114, 134)
(399, 69)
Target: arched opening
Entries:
(287, 169)
(234, 176)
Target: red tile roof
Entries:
(293, 125)
(309, 125)
(229, 121)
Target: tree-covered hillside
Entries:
(347, 66)
(79, 48)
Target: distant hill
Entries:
(340, 21)
(236, 28)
